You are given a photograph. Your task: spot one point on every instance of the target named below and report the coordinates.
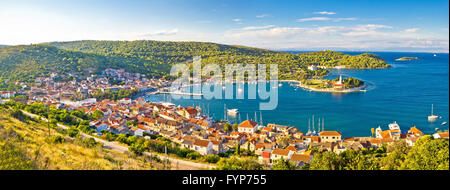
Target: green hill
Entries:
(154, 58)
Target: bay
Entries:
(403, 93)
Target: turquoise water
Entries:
(403, 93)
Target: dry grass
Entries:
(72, 154)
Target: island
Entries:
(407, 58)
(338, 85)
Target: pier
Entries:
(175, 93)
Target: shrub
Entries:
(211, 158)
(193, 155)
(56, 139)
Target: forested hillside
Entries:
(154, 58)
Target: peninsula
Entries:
(338, 85)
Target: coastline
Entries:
(332, 90)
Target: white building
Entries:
(312, 67)
(7, 94)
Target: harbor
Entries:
(404, 98)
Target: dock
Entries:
(174, 93)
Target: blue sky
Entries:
(359, 25)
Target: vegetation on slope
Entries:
(426, 154)
(29, 144)
(155, 58)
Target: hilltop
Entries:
(155, 58)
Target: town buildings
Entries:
(190, 127)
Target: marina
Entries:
(403, 93)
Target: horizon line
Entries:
(278, 49)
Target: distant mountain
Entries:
(2, 46)
(155, 58)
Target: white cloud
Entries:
(411, 30)
(257, 27)
(324, 19)
(313, 19)
(237, 20)
(371, 37)
(325, 13)
(262, 16)
(161, 33)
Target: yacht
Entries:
(232, 111)
(444, 123)
(432, 117)
(394, 126)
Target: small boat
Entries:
(232, 111)
(280, 85)
(394, 126)
(432, 117)
(434, 55)
(444, 123)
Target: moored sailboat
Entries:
(432, 117)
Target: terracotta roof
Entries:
(266, 154)
(414, 130)
(292, 148)
(216, 142)
(313, 138)
(259, 146)
(248, 124)
(301, 157)
(375, 141)
(387, 140)
(280, 151)
(202, 143)
(385, 134)
(330, 133)
(443, 135)
(267, 129)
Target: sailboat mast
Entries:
(323, 124)
(431, 109)
(318, 127)
(260, 118)
(309, 125)
(225, 112)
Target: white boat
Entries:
(432, 117)
(280, 85)
(394, 126)
(434, 55)
(232, 111)
(444, 123)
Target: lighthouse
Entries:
(340, 83)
